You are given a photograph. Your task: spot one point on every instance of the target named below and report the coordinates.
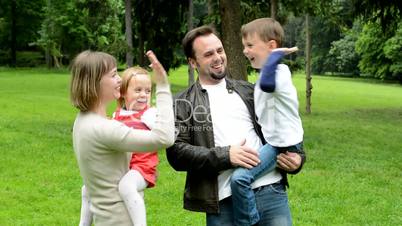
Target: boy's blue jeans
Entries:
(272, 205)
(244, 201)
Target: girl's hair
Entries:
(127, 75)
(87, 70)
(266, 28)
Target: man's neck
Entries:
(210, 81)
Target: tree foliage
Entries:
(60, 29)
(393, 51)
(342, 56)
(160, 25)
(72, 26)
(387, 13)
(19, 22)
(380, 52)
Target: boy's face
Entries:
(138, 92)
(257, 50)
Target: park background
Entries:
(351, 54)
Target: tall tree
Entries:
(72, 26)
(387, 12)
(13, 40)
(231, 23)
(19, 24)
(274, 8)
(190, 27)
(309, 86)
(129, 33)
(141, 46)
(384, 61)
(308, 8)
(52, 32)
(103, 23)
(210, 7)
(161, 25)
(48, 58)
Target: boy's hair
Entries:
(189, 38)
(127, 75)
(87, 70)
(266, 28)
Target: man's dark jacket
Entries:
(194, 150)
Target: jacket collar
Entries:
(229, 85)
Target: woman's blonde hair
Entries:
(266, 28)
(127, 75)
(87, 70)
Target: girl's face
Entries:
(110, 86)
(138, 93)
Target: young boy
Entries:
(276, 107)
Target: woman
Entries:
(102, 145)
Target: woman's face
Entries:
(110, 86)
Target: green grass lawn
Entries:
(353, 173)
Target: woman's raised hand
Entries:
(159, 75)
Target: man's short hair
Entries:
(189, 38)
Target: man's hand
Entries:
(289, 161)
(241, 155)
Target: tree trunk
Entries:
(274, 8)
(210, 8)
(13, 41)
(190, 27)
(309, 86)
(129, 34)
(56, 61)
(141, 50)
(140, 7)
(231, 23)
(48, 56)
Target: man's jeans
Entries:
(272, 206)
(244, 204)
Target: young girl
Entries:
(134, 111)
(102, 145)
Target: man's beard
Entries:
(212, 75)
(218, 76)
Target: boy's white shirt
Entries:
(277, 112)
(230, 129)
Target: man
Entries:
(216, 132)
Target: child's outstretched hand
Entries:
(160, 75)
(287, 50)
